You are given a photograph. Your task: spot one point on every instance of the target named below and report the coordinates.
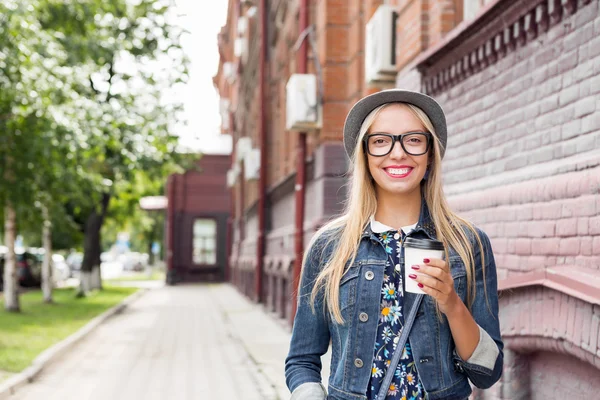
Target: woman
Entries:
(351, 293)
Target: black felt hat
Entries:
(364, 106)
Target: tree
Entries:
(80, 113)
(126, 122)
(30, 67)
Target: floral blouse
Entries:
(405, 384)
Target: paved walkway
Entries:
(182, 342)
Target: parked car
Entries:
(29, 268)
(3, 251)
(133, 261)
(74, 261)
(60, 268)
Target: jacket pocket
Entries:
(348, 286)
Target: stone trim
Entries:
(542, 319)
(573, 280)
(502, 27)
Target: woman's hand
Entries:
(436, 280)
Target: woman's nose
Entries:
(397, 150)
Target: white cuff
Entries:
(310, 391)
(486, 352)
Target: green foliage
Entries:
(81, 113)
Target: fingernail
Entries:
(426, 260)
(420, 285)
(412, 276)
(415, 267)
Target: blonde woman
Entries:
(352, 293)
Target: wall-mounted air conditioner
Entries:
(242, 26)
(232, 176)
(252, 165)
(303, 111)
(240, 48)
(229, 71)
(380, 46)
(224, 111)
(242, 147)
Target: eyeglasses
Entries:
(413, 143)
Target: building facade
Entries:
(198, 207)
(520, 84)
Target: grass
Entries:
(24, 335)
(157, 275)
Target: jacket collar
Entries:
(424, 225)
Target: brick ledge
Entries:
(575, 281)
(499, 28)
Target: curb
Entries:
(10, 386)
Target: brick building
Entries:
(520, 83)
(198, 207)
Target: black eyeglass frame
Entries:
(397, 138)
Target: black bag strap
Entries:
(408, 323)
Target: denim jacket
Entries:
(443, 374)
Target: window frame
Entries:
(193, 244)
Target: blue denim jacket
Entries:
(443, 374)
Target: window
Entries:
(204, 245)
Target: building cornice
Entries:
(500, 28)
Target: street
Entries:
(182, 342)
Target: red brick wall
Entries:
(340, 37)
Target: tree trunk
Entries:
(96, 277)
(90, 266)
(150, 253)
(11, 290)
(47, 282)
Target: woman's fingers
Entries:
(431, 282)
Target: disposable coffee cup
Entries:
(415, 250)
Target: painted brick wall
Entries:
(549, 372)
(523, 162)
(524, 146)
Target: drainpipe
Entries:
(170, 222)
(262, 181)
(301, 62)
(230, 221)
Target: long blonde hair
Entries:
(362, 204)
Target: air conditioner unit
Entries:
(252, 165)
(229, 71)
(303, 111)
(242, 26)
(224, 111)
(380, 46)
(242, 147)
(240, 48)
(232, 175)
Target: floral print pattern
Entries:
(405, 384)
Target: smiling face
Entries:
(397, 173)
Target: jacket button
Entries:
(369, 275)
(358, 363)
(363, 317)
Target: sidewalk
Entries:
(181, 342)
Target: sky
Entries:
(203, 19)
